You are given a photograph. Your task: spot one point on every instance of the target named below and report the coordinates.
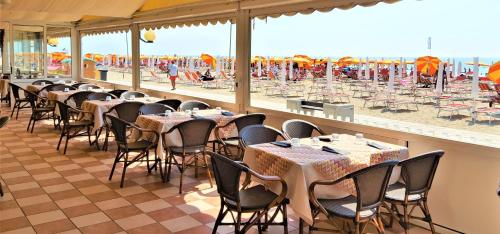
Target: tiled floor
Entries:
(48, 192)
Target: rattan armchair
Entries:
(256, 200)
(296, 128)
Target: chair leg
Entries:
(1, 190)
(427, 214)
(220, 216)
(33, 124)
(13, 109)
(237, 224)
(117, 158)
(88, 132)
(196, 166)
(285, 219)
(125, 165)
(67, 138)
(18, 108)
(209, 174)
(147, 161)
(169, 169)
(61, 137)
(29, 123)
(182, 173)
(357, 228)
(406, 224)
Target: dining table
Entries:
(162, 123)
(303, 163)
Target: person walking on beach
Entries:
(173, 71)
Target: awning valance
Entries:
(110, 30)
(196, 21)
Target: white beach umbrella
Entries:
(404, 68)
(359, 69)
(217, 66)
(400, 68)
(475, 79)
(453, 66)
(375, 74)
(459, 68)
(448, 70)
(367, 69)
(191, 65)
(268, 65)
(439, 81)
(126, 61)
(329, 71)
(283, 72)
(259, 68)
(290, 71)
(392, 73)
(232, 65)
(415, 74)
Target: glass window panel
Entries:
(58, 52)
(28, 50)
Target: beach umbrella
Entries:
(400, 68)
(448, 70)
(283, 72)
(329, 74)
(345, 61)
(427, 64)
(392, 71)
(359, 69)
(480, 64)
(232, 65)
(459, 68)
(217, 66)
(191, 64)
(439, 82)
(415, 75)
(475, 80)
(290, 69)
(494, 73)
(259, 68)
(367, 69)
(268, 65)
(208, 59)
(375, 74)
(453, 67)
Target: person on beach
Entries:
(207, 76)
(173, 71)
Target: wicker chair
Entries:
(125, 146)
(3, 122)
(128, 111)
(118, 92)
(86, 87)
(100, 96)
(194, 136)
(417, 174)
(258, 134)
(56, 87)
(39, 109)
(154, 109)
(190, 105)
(362, 209)
(19, 103)
(128, 94)
(256, 200)
(40, 82)
(174, 103)
(233, 142)
(65, 112)
(76, 99)
(296, 128)
(77, 85)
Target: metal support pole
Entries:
(243, 53)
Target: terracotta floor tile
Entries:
(112, 203)
(11, 213)
(28, 201)
(4, 205)
(166, 214)
(22, 186)
(90, 219)
(181, 223)
(15, 223)
(80, 210)
(58, 188)
(106, 227)
(94, 189)
(205, 217)
(65, 194)
(153, 205)
(74, 201)
(134, 221)
(55, 226)
(40, 208)
(18, 180)
(123, 212)
(79, 177)
(141, 197)
(196, 230)
(151, 228)
(85, 183)
(54, 181)
(41, 171)
(97, 197)
(14, 174)
(28, 193)
(46, 176)
(46, 217)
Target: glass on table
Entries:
(195, 110)
(168, 113)
(218, 109)
(359, 138)
(315, 141)
(132, 97)
(295, 142)
(335, 137)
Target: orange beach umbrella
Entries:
(494, 73)
(208, 59)
(427, 64)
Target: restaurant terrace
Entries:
(183, 139)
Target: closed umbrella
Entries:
(329, 74)
(290, 71)
(367, 69)
(459, 68)
(475, 80)
(375, 74)
(400, 68)
(232, 65)
(283, 72)
(359, 69)
(415, 75)
(259, 68)
(268, 65)
(439, 82)
(392, 72)
(494, 73)
(217, 67)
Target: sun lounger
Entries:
(453, 109)
(491, 112)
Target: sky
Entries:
(459, 28)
